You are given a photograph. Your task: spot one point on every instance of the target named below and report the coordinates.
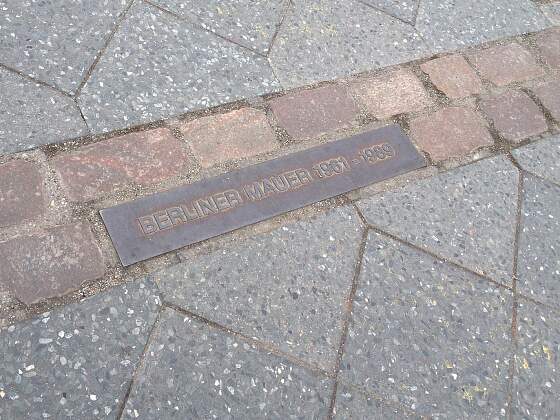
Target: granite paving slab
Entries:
(32, 114)
(541, 158)
(76, 362)
(287, 287)
(539, 243)
(467, 215)
(352, 404)
(248, 22)
(429, 335)
(55, 41)
(193, 371)
(158, 65)
(401, 9)
(451, 24)
(326, 39)
(536, 383)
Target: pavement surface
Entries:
(432, 295)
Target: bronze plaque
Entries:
(191, 213)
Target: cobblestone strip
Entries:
(457, 108)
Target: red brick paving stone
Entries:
(234, 135)
(40, 267)
(396, 92)
(548, 43)
(514, 115)
(450, 132)
(453, 76)
(549, 95)
(21, 192)
(140, 158)
(505, 64)
(310, 113)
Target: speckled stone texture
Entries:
(32, 115)
(158, 66)
(55, 41)
(248, 22)
(450, 24)
(193, 371)
(141, 158)
(466, 215)
(549, 95)
(287, 287)
(352, 403)
(548, 44)
(76, 362)
(50, 264)
(21, 192)
(326, 39)
(401, 9)
(453, 76)
(536, 383)
(539, 243)
(541, 158)
(430, 336)
(552, 11)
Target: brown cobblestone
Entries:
(549, 95)
(453, 76)
(505, 64)
(310, 113)
(141, 158)
(397, 92)
(450, 132)
(514, 115)
(548, 43)
(50, 265)
(237, 134)
(21, 192)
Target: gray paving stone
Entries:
(251, 23)
(76, 362)
(327, 39)
(287, 287)
(158, 66)
(466, 215)
(33, 115)
(541, 158)
(552, 11)
(356, 405)
(450, 24)
(536, 384)
(192, 371)
(55, 40)
(539, 243)
(428, 335)
(401, 9)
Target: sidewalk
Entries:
(433, 294)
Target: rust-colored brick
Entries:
(453, 76)
(450, 132)
(549, 95)
(311, 113)
(141, 158)
(50, 265)
(21, 192)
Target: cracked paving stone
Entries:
(193, 371)
(158, 66)
(428, 335)
(539, 242)
(401, 9)
(287, 287)
(450, 24)
(76, 362)
(327, 39)
(541, 158)
(32, 114)
(536, 383)
(251, 23)
(466, 215)
(55, 41)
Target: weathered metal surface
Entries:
(191, 213)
